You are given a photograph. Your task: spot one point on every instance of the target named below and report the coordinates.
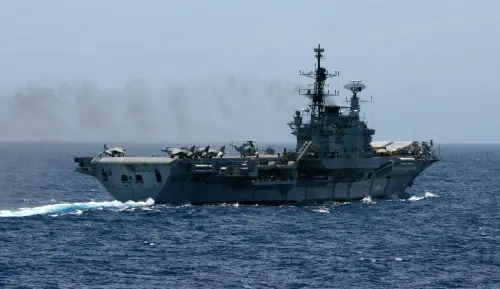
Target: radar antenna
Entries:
(318, 94)
(355, 86)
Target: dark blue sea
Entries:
(60, 229)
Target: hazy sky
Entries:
(228, 70)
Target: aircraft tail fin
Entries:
(222, 149)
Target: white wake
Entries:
(425, 196)
(77, 208)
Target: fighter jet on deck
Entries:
(216, 153)
(179, 152)
(118, 151)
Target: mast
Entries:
(318, 94)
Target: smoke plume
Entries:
(231, 109)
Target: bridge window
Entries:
(369, 175)
(138, 179)
(158, 176)
(124, 179)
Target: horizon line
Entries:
(208, 142)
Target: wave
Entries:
(425, 196)
(72, 207)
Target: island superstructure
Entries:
(335, 159)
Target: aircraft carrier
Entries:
(334, 159)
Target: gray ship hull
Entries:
(285, 193)
(210, 188)
(301, 192)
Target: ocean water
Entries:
(60, 229)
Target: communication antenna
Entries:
(317, 93)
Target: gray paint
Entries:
(334, 160)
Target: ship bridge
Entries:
(328, 130)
